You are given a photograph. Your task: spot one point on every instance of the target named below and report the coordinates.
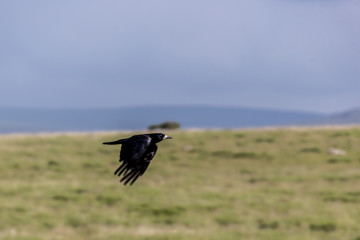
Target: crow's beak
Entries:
(167, 137)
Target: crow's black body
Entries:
(136, 154)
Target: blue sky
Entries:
(282, 54)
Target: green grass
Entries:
(278, 184)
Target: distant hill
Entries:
(347, 117)
(136, 118)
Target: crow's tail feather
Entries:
(114, 142)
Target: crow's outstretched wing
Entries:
(136, 154)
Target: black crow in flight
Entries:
(136, 154)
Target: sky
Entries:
(299, 55)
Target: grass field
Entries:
(276, 184)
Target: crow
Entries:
(136, 154)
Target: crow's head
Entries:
(158, 137)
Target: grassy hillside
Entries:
(250, 184)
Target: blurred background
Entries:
(107, 65)
(230, 74)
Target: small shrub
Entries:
(91, 165)
(265, 140)
(338, 160)
(310, 150)
(255, 180)
(246, 171)
(74, 222)
(340, 134)
(241, 155)
(349, 197)
(223, 153)
(165, 125)
(245, 155)
(80, 191)
(61, 198)
(108, 200)
(227, 220)
(323, 227)
(53, 163)
(168, 211)
(240, 135)
(263, 224)
(252, 155)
